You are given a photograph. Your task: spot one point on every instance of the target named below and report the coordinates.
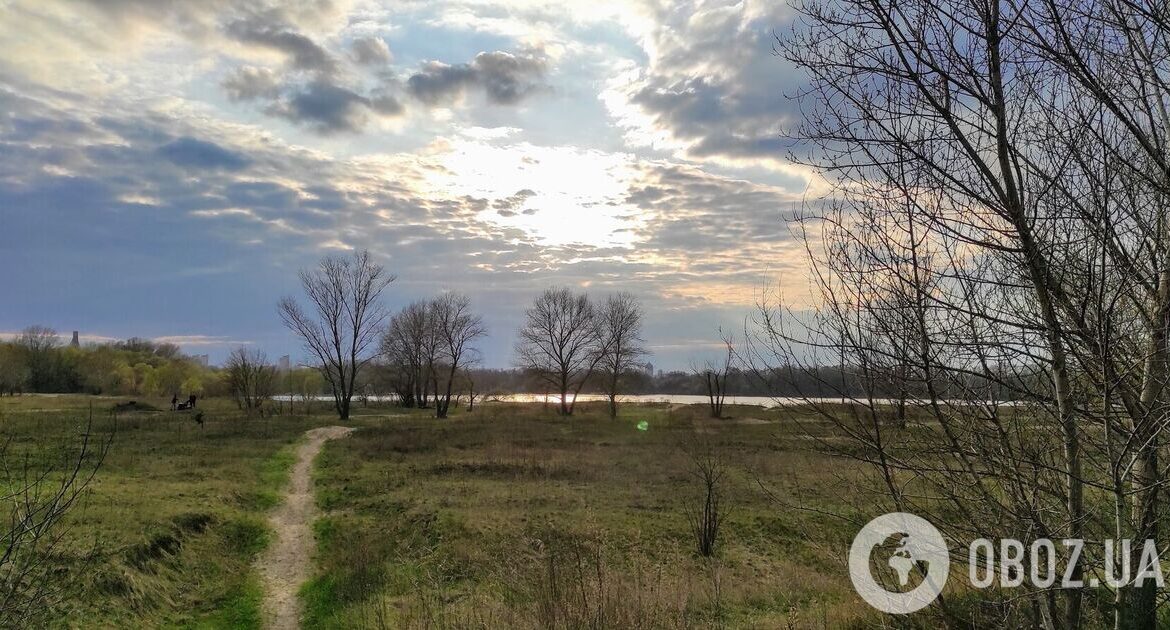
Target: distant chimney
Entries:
(76, 343)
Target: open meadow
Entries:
(508, 516)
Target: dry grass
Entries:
(513, 517)
(507, 517)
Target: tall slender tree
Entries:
(346, 320)
(404, 346)
(620, 320)
(457, 328)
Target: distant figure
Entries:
(191, 402)
(199, 419)
(174, 402)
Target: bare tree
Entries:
(469, 379)
(560, 343)
(251, 380)
(347, 319)
(456, 327)
(714, 374)
(997, 227)
(706, 511)
(620, 320)
(406, 348)
(37, 502)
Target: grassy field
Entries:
(175, 514)
(513, 517)
(505, 517)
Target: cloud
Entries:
(511, 205)
(326, 107)
(329, 108)
(703, 244)
(249, 83)
(303, 52)
(385, 104)
(192, 153)
(505, 78)
(369, 51)
(710, 239)
(134, 202)
(712, 86)
(201, 340)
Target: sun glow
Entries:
(558, 195)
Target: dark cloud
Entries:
(321, 104)
(385, 104)
(505, 78)
(510, 205)
(329, 108)
(325, 107)
(303, 52)
(193, 153)
(250, 83)
(720, 99)
(370, 51)
(714, 115)
(439, 82)
(731, 223)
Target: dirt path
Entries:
(285, 565)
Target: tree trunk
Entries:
(441, 407)
(563, 403)
(1142, 605)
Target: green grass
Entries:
(241, 610)
(176, 513)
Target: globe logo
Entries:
(911, 548)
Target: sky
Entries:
(166, 166)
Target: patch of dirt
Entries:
(285, 565)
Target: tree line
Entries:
(427, 349)
(37, 361)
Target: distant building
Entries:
(283, 364)
(203, 359)
(76, 342)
